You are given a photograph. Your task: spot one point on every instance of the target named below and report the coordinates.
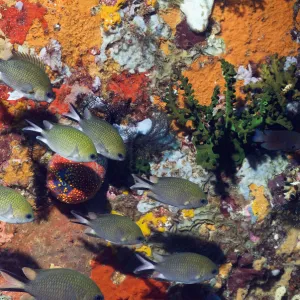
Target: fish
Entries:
(186, 267)
(278, 140)
(27, 76)
(53, 284)
(106, 138)
(14, 208)
(173, 191)
(116, 229)
(66, 141)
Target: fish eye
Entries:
(98, 297)
(93, 157)
(140, 238)
(28, 216)
(50, 95)
(214, 271)
(121, 156)
(203, 201)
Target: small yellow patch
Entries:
(149, 220)
(110, 14)
(144, 249)
(225, 269)
(151, 3)
(211, 227)
(125, 193)
(188, 213)
(114, 212)
(260, 204)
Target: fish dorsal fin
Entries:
(75, 153)
(47, 125)
(29, 273)
(87, 114)
(30, 58)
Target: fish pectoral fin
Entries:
(27, 297)
(154, 196)
(42, 139)
(29, 273)
(27, 88)
(7, 213)
(75, 153)
(101, 149)
(158, 275)
(15, 95)
(91, 232)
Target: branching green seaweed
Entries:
(222, 133)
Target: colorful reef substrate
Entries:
(204, 90)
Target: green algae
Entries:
(222, 131)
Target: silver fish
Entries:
(173, 191)
(278, 140)
(27, 76)
(106, 138)
(119, 230)
(184, 268)
(67, 141)
(53, 284)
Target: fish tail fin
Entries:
(141, 183)
(259, 136)
(33, 127)
(146, 264)
(73, 113)
(79, 219)
(11, 284)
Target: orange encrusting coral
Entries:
(59, 106)
(129, 86)
(251, 32)
(131, 288)
(78, 31)
(15, 24)
(260, 204)
(18, 170)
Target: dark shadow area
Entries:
(288, 213)
(238, 6)
(173, 242)
(13, 262)
(192, 292)
(226, 171)
(41, 191)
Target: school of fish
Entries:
(91, 137)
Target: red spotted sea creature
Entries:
(73, 182)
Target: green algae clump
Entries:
(222, 131)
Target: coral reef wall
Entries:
(120, 59)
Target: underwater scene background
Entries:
(132, 92)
